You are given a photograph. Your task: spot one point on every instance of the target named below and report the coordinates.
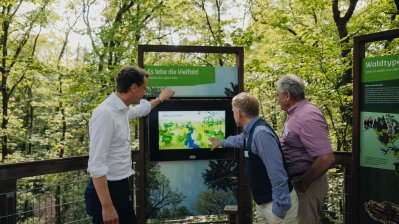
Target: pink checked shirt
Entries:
(304, 137)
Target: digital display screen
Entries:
(180, 129)
(190, 129)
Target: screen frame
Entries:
(190, 154)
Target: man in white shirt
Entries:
(107, 193)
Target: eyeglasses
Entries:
(278, 94)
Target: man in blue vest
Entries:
(265, 166)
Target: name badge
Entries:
(246, 154)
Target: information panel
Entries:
(379, 139)
(194, 81)
(184, 180)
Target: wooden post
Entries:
(8, 201)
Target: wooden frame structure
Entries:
(359, 52)
(244, 199)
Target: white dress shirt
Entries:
(110, 148)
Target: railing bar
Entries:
(75, 221)
(50, 202)
(38, 188)
(44, 207)
(74, 206)
(75, 185)
(36, 202)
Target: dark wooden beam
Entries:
(36, 168)
(189, 49)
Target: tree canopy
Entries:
(58, 58)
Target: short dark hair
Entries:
(129, 76)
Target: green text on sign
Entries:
(180, 75)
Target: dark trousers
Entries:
(120, 195)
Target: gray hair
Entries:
(293, 84)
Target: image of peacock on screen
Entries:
(190, 129)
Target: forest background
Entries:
(59, 57)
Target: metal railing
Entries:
(51, 191)
(47, 191)
(337, 207)
(51, 199)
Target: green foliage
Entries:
(213, 202)
(174, 213)
(162, 201)
(221, 175)
(55, 89)
(333, 205)
(300, 37)
(55, 198)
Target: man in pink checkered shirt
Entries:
(306, 147)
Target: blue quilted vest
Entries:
(255, 170)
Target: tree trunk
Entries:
(4, 74)
(341, 23)
(346, 77)
(4, 124)
(5, 69)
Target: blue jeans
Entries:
(120, 195)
